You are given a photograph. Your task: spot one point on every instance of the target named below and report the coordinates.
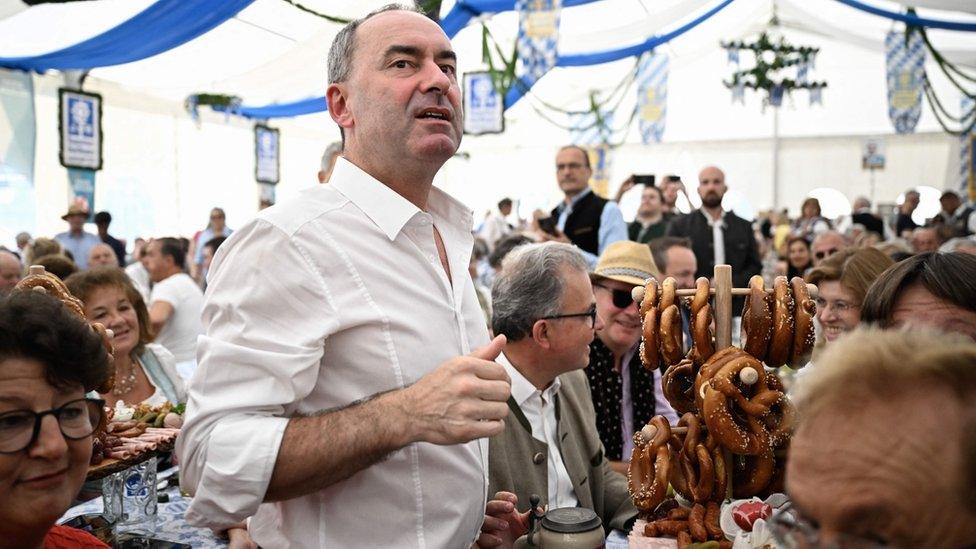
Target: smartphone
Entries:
(644, 179)
(548, 224)
(674, 179)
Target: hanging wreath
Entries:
(774, 63)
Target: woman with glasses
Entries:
(843, 280)
(49, 359)
(144, 372)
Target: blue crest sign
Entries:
(906, 72)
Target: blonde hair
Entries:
(872, 363)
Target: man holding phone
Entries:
(584, 219)
(650, 222)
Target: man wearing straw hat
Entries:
(625, 394)
(76, 240)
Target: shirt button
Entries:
(538, 458)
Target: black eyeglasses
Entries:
(591, 314)
(621, 298)
(76, 420)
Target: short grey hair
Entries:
(530, 286)
(333, 150)
(344, 44)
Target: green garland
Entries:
(965, 122)
(765, 74)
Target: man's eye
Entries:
(449, 69)
(401, 64)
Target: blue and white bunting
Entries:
(733, 56)
(739, 93)
(906, 65)
(586, 130)
(816, 95)
(538, 35)
(802, 72)
(652, 96)
(776, 95)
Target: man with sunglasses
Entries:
(827, 244)
(624, 393)
(544, 305)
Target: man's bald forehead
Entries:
(711, 171)
(8, 259)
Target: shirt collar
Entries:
(712, 222)
(522, 389)
(575, 200)
(384, 207)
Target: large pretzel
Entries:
(782, 415)
(649, 346)
(669, 323)
(678, 384)
(732, 417)
(710, 368)
(803, 334)
(694, 477)
(650, 464)
(757, 323)
(781, 343)
(701, 323)
(648, 300)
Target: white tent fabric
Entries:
(163, 172)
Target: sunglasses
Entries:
(621, 298)
(825, 253)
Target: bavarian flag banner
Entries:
(906, 66)
(652, 96)
(538, 35)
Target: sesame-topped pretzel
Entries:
(650, 464)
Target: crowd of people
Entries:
(362, 353)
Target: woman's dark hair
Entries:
(950, 277)
(38, 327)
(82, 285)
(797, 270)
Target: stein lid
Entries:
(571, 520)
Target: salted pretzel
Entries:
(757, 323)
(648, 296)
(732, 417)
(650, 464)
(668, 294)
(694, 476)
(751, 474)
(649, 352)
(713, 365)
(701, 323)
(678, 384)
(670, 333)
(781, 342)
(803, 335)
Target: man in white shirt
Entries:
(175, 303)
(340, 399)
(496, 227)
(544, 305)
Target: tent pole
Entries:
(776, 203)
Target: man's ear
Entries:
(338, 103)
(541, 333)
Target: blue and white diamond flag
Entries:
(538, 35)
(801, 72)
(652, 96)
(906, 67)
(733, 56)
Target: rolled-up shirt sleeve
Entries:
(266, 316)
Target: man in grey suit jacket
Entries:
(544, 304)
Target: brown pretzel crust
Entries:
(649, 353)
(757, 322)
(669, 294)
(678, 384)
(650, 297)
(53, 286)
(710, 368)
(751, 474)
(781, 342)
(803, 335)
(650, 466)
(671, 334)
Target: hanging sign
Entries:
(600, 157)
(873, 154)
(652, 96)
(484, 109)
(906, 68)
(81, 189)
(80, 127)
(266, 154)
(538, 35)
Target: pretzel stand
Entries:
(736, 419)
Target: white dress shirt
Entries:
(539, 408)
(320, 301)
(718, 236)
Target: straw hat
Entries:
(78, 207)
(627, 262)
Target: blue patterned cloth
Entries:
(170, 523)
